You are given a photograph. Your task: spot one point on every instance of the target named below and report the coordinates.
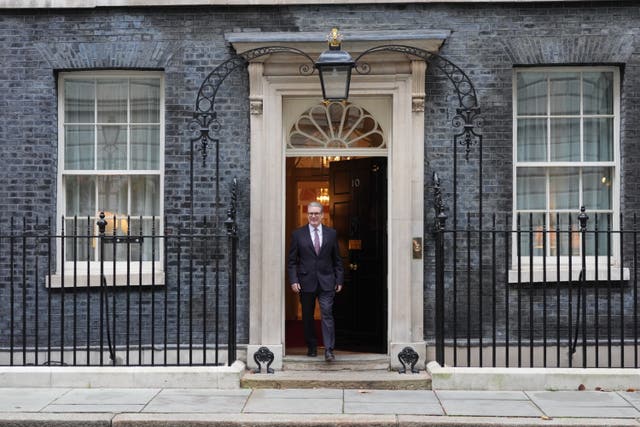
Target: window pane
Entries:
(78, 247)
(79, 100)
(598, 93)
(531, 234)
(532, 94)
(145, 191)
(80, 195)
(532, 140)
(150, 247)
(565, 140)
(598, 140)
(564, 235)
(112, 195)
(112, 147)
(112, 101)
(564, 184)
(79, 147)
(565, 93)
(531, 188)
(145, 147)
(598, 235)
(596, 187)
(145, 101)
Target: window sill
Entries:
(614, 273)
(121, 280)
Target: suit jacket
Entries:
(310, 270)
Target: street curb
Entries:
(41, 419)
(349, 420)
(44, 419)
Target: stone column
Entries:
(264, 315)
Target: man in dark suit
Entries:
(315, 271)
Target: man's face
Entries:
(315, 216)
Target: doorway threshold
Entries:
(345, 361)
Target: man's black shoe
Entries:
(328, 356)
(312, 352)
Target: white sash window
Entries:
(566, 155)
(110, 151)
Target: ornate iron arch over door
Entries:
(404, 81)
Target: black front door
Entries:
(358, 194)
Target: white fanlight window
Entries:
(110, 159)
(336, 125)
(566, 155)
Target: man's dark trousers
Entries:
(308, 302)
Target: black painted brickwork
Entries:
(187, 43)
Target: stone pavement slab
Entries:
(28, 399)
(483, 403)
(96, 408)
(588, 404)
(632, 397)
(294, 406)
(111, 400)
(108, 396)
(389, 396)
(296, 401)
(480, 395)
(198, 401)
(423, 402)
(292, 393)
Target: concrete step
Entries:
(343, 362)
(377, 379)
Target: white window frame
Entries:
(522, 273)
(76, 274)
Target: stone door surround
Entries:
(275, 77)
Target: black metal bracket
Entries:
(263, 355)
(122, 239)
(438, 205)
(408, 356)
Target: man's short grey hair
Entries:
(316, 205)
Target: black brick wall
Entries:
(187, 43)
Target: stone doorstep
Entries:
(221, 377)
(363, 362)
(514, 379)
(371, 379)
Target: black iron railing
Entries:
(95, 294)
(517, 292)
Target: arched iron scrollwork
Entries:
(467, 120)
(467, 116)
(465, 90)
(205, 122)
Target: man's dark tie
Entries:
(316, 241)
